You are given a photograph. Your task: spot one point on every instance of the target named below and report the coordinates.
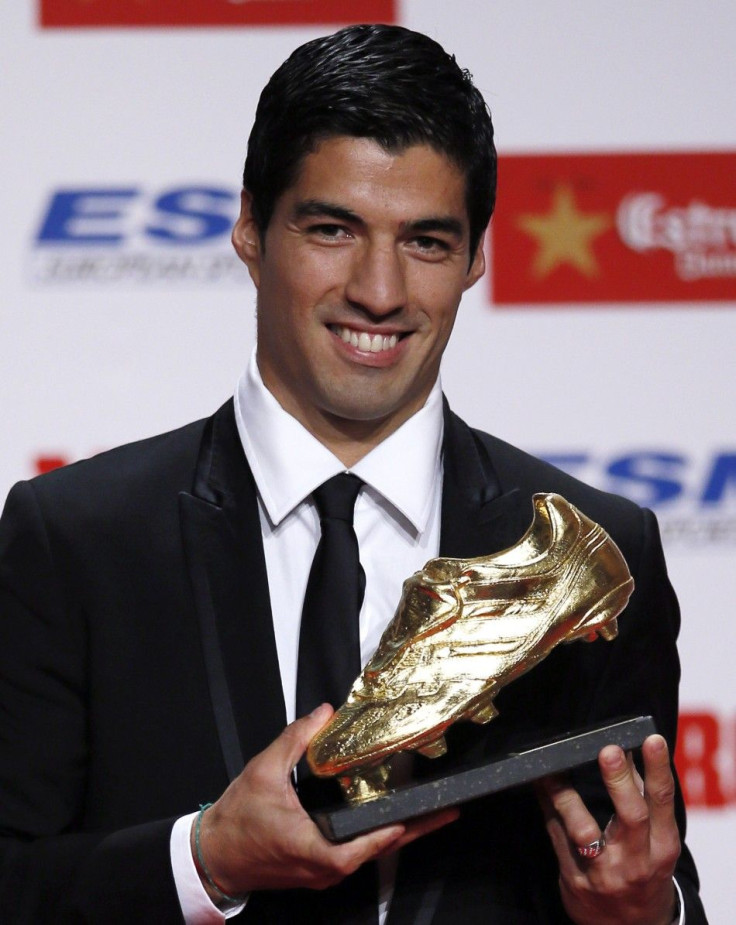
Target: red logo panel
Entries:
(615, 228)
(76, 13)
(706, 760)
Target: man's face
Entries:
(359, 279)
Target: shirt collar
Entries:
(288, 463)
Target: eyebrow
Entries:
(312, 208)
(445, 223)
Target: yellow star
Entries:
(564, 235)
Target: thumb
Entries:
(289, 747)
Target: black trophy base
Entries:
(499, 773)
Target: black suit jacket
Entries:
(138, 672)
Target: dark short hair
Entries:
(387, 83)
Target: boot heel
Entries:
(602, 619)
(609, 630)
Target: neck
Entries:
(350, 441)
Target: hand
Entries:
(258, 836)
(630, 881)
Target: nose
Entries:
(377, 281)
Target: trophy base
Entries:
(561, 754)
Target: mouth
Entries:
(365, 342)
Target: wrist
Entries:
(216, 891)
(674, 913)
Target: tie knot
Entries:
(335, 498)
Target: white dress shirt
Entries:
(397, 522)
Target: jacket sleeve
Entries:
(51, 869)
(643, 673)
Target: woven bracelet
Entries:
(199, 863)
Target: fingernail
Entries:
(613, 757)
(658, 743)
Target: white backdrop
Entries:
(105, 344)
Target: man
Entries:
(151, 597)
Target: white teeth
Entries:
(367, 343)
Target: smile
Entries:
(362, 340)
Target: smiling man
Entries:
(171, 621)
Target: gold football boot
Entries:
(464, 629)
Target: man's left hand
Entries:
(630, 881)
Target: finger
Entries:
(659, 789)
(365, 847)
(632, 811)
(423, 825)
(288, 748)
(612, 829)
(567, 856)
(384, 841)
(577, 822)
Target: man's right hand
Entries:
(257, 836)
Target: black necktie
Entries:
(329, 639)
(329, 662)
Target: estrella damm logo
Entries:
(606, 228)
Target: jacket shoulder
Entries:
(515, 468)
(119, 481)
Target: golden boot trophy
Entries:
(463, 630)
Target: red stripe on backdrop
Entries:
(111, 13)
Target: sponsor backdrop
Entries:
(603, 336)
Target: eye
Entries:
(430, 246)
(329, 231)
(427, 243)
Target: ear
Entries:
(478, 266)
(247, 240)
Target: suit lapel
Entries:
(479, 515)
(224, 552)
